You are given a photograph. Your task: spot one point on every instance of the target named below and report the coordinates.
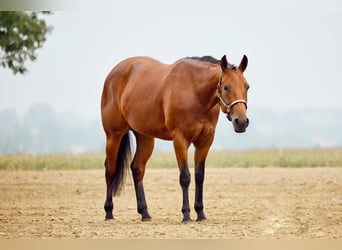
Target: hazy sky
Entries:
(294, 50)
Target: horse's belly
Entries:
(149, 124)
(157, 132)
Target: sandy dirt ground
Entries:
(253, 203)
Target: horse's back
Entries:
(151, 71)
(136, 64)
(144, 70)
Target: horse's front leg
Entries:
(201, 152)
(181, 150)
(184, 180)
(199, 179)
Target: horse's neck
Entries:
(207, 91)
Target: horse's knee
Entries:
(184, 178)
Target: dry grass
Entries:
(249, 158)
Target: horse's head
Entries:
(232, 93)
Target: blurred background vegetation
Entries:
(21, 34)
(284, 158)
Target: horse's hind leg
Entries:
(143, 152)
(112, 148)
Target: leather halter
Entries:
(220, 99)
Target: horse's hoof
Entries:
(186, 220)
(201, 219)
(109, 217)
(146, 218)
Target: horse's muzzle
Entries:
(240, 125)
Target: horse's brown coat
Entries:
(177, 102)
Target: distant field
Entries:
(219, 159)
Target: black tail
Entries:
(122, 162)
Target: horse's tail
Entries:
(123, 160)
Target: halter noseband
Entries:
(220, 99)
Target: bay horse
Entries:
(179, 102)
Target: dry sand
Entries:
(253, 203)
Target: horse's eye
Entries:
(226, 88)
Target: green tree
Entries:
(21, 34)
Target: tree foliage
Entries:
(21, 34)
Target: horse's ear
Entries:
(243, 63)
(224, 63)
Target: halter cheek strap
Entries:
(220, 99)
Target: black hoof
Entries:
(186, 218)
(146, 218)
(201, 219)
(201, 216)
(109, 217)
(186, 221)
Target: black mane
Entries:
(211, 60)
(206, 59)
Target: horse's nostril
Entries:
(244, 123)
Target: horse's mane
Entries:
(211, 60)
